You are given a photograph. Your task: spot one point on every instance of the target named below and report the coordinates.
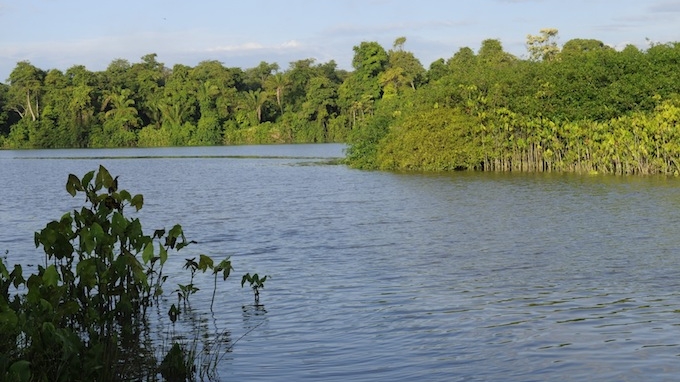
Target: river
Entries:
(378, 276)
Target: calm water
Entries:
(399, 277)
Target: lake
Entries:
(379, 276)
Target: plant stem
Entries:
(213, 296)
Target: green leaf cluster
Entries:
(85, 310)
(146, 104)
(574, 107)
(256, 283)
(583, 108)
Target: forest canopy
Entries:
(581, 106)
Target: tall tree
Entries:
(543, 47)
(26, 90)
(149, 77)
(118, 75)
(4, 118)
(580, 46)
(255, 101)
(437, 70)
(257, 76)
(299, 73)
(57, 128)
(370, 59)
(320, 105)
(403, 68)
(491, 53)
(121, 119)
(361, 88)
(276, 84)
(119, 108)
(179, 103)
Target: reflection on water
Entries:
(385, 276)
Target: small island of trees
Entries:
(582, 106)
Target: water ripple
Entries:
(402, 277)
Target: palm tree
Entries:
(82, 110)
(173, 113)
(255, 100)
(207, 94)
(276, 84)
(122, 109)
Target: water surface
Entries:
(398, 277)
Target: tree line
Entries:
(580, 106)
(148, 104)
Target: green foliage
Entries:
(151, 136)
(256, 283)
(369, 59)
(544, 46)
(176, 366)
(527, 111)
(363, 152)
(435, 140)
(568, 110)
(84, 311)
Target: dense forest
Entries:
(581, 106)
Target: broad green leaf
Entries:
(105, 176)
(33, 283)
(134, 229)
(17, 275)
(97, 232)
(98, 179)
(148, 252)
(87, 178)
(205, 263)
(87, 243)
(73, 185)
(118, 223)
(225, 267)
(140, 276)
(163, 255)
(3, 269)
(87, 270)
(20, 370)
(137, 201)
(176, 231)
(184, 243)
(173, 235)
(51, 276)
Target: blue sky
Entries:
(62, 33)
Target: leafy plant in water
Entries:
(176, 366)
(256, 283)
(225, 268)
(87, 303)
(101, 273)
(184, 291)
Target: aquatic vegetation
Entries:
(83, 315)
(256, 283)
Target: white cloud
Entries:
(245, 47)
(250, 47)
(291, 44)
